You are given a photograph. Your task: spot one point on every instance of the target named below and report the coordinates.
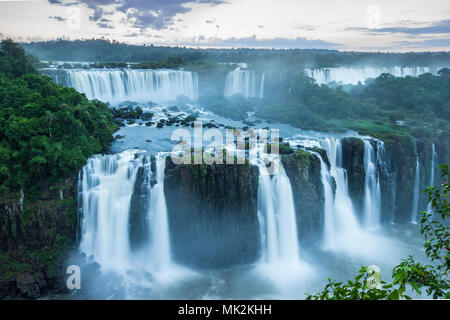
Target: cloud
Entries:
(58, 18)
(253, 42)
(142, 14)
(104, 25)
(427, 43)
(438, 27)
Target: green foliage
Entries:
(13, 60)
(387, 105)
(359, 289)
(433, 278)
(105, 51)
(47, 131)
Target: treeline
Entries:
(47, 131)
(106, 51)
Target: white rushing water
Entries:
(116, 86)
(261, 86)
(158, 218)
(107, 187)
(342, 221)
(416, 191)
(329, 223)
(108, 183)
(353, 75)
(276, 207)
(432, 173)
(372, 193)
(243, 82)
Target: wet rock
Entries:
(28, 285)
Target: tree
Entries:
(434, 279)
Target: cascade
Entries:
(261, 87)
(372, 193)
(432, 173)
(353, 75)
(416, 191)
(343, 222)
(116, 86)
(107, 186)
(158, 217)
(329, 223)
(241, 81)
(276, 210)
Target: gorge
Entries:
(152, 229)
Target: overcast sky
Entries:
(400, 25)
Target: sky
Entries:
(375, 25)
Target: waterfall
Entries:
(241, 81)
(276, 209)
(261, 87)
(372, 194)
(343, 222)
(329, 224)
(107, 186)
(116, 86)
(432, 173)
(415, 204)
(158, 217)
(353, 75)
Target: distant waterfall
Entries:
(107, 187)
(353, 75)
(276, 209)
(372, 193)
(261, 86)
(116, 86)
(341, 221)
(245, 83)
(432, 173)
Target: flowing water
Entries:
(372, 193)
(136, 85)
(353, 75)
(244, 82)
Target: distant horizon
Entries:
(351, 25)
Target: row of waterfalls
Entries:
(115, 86)
(125, 222)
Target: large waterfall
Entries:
(116, 86)
(276, 207)
(353, 75)
(372, 193)
(341, 221)
(107, 186)
(243, 82)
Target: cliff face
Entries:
(303, 170)
(35, 235)
(213, 213)
(353, 163)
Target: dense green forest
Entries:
(100, 50)
(48, 131)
